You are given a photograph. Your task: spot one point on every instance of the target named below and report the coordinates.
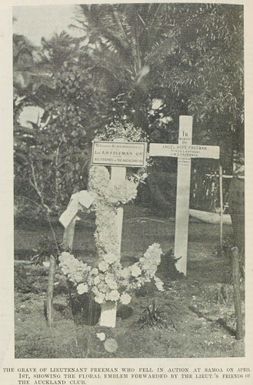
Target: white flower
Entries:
(149, 267)
(121, 193)
(101, 277)
(96, 280)
(99, 298)
(94, 271)
(101, 336)
(95, 290)
(156, 104)
(90, 280)
(112, 284)
(99, 178)
(125, 273)
(102, 287)
(109, 278)
(135, 271)
(78, 277)
(125, 299)
(165, 119)
(159, 284)
(103, 266)
(82, 288)
(113, 295)
(75, 270)
(66, 254)
(111, 258)
(152, 256)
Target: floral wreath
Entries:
(109, 280)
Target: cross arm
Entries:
(184, 151)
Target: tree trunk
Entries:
(50, 291)
(237, 294)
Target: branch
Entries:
(34, 184)
(120, 25)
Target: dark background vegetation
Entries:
(188, 55)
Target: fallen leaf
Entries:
(101, 336)
(111, 345)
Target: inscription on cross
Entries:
(184, 151)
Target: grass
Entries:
(197, 311)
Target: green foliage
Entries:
(152, 317)
(188, 56)
(209, 70)
(46, 247)
(51, 157)
(123, 130)
(191, 56)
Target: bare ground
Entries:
(196, 314)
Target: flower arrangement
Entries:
(109, 197)
(123, 130)
(111, 194)
(109, 280)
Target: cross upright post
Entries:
(109, 309)
(183, 195)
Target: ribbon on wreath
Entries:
(78, 201)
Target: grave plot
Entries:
(191, 308)
(134, 256)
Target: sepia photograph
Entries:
(129, 153)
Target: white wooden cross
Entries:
(184, 151)
(109, 309)
(118, 155)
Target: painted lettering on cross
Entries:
(119, 154)
(184, 150)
